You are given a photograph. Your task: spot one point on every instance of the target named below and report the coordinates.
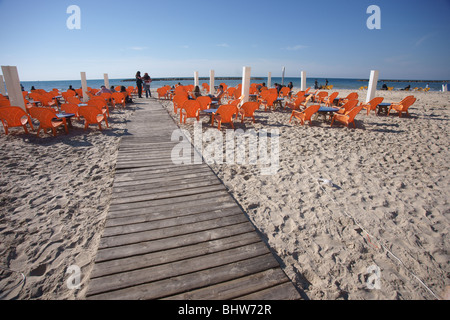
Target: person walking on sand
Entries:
(147, 82)
(139, 83)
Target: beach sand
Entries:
(390, 179)
(54, 197)
(383, 222)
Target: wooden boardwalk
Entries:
(174, 232)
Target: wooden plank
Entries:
(191, 281)
(169, 194)
(235, 288)
(284, 291)
(155, 178)
(166, 223)
(162, 186)
(173, 242)
(169, 211)
(125, 208)
(168, 232)
(177, 268)
(171, 255)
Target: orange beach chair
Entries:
(13, 116)
(47, 119)
(305, 115)
(348, 117)
(402, 106)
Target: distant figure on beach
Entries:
(147, 81)
(219, 95)
(103, 89)
(316, 85)
(33, 88)
(139, 83)
(290, 85)
(407, 88)
(112, 89)
(326, 82)
(71, 88)
(196, 92)
(278, 87)
(384, 87)
(125, 93)
(260, 86)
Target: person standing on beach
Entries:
(139, 83)
(147, 82)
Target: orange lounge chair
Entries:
(118, 98)
(67, 94)
(205, 102)
(403, 106)
(47, 119)
(347, 107)
(351, 96)
(71, 108)
(91, 115)
(330, 100)
(13, 116)
(190, 109)
(162, 92)
(101, 108)
(321, 96)
(296, 104)
(248, 110)
(107, 97)
(178, 101)
(284, 92)
(269, 101)
(74, 100)
(224, 115)
(372, 104)
(305, 115)
(205, 87)
(100, 102)
(348, 117)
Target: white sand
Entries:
(54, 197)
(390, 178)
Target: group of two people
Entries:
(146, 80)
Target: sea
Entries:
(338, 83)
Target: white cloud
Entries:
(424, 38)
(137, 48)
(296, 47)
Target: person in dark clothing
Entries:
(139, 83)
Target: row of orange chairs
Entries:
(224, 114)
(94, 112)
(13, 116)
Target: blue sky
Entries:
(327, 38)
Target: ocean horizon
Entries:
(338, 83)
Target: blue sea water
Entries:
(338, 83)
